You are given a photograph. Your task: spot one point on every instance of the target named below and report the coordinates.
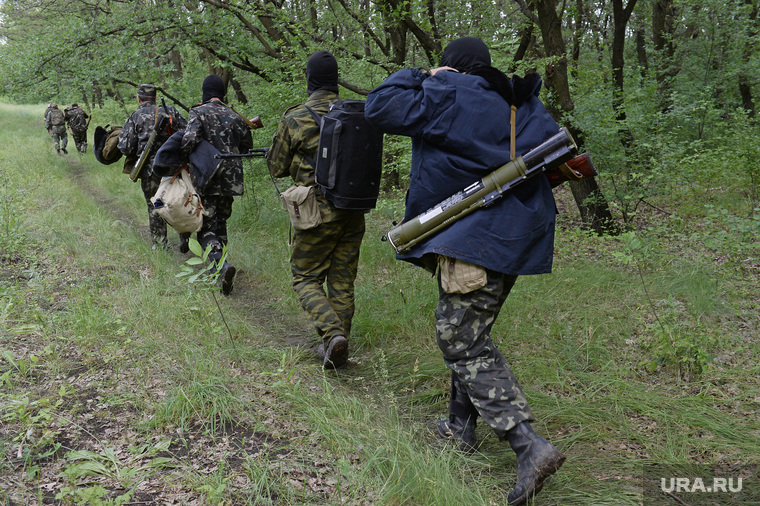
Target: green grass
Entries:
(120, 381)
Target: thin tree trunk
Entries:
(594, 210)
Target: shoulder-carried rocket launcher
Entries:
(549, 155)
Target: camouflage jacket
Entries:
(227, 132)
(134, 136)
(76, 118)
(54, 117)
(294, 147)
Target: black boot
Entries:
(537, 459)
(462, 420)
(184, 243)
(336, 354)
(226, 277)
(461, 430)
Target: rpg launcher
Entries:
(252, 153)
(550, 155)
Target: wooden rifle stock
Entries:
(573, 170)
(252, 123)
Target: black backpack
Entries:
(349, 159)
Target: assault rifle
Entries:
(158, 125)
(552, 154)
(252, 153)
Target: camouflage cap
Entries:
(146, 91)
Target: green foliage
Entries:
(36, 439)
(677, 343)
(128, 472)
(207, 275)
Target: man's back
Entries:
(56, 117)
(226, 131)
(136, 132)
(76, 118)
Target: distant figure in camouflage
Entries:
(459, 117)
(55, 124)
(226, 130)
(328, 253)
(47, 110)
(78, 121)
(132, 141)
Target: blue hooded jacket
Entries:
(460, 130)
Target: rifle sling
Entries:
(512, 133)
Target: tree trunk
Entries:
(593, 207)
(176, 58)
(239, 93)
(621, 15)
(85, 99)
(663, 15)
(745, 89)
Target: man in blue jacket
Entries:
(459, 119)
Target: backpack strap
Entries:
(318, 121)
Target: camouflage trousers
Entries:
(60, 137)
(463, 330)
(80, 140)
(149, 185)
(214, 228)
(328, 255)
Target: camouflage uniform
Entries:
(132, 140)
(227, 132)
(55, 123)
(77, 119)
(327, 253)
(479, 371)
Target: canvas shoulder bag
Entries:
(303, 209)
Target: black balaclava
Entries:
(213, 87)
(321, 72)
(465, 54)
(470, 55)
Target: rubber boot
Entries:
(461, 430)
(537, 459)
(460, 426)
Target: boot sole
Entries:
(546, 470)
(337, 353)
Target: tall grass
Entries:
(603, 348)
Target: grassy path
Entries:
(121, 384)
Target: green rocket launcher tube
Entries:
(552, 153)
